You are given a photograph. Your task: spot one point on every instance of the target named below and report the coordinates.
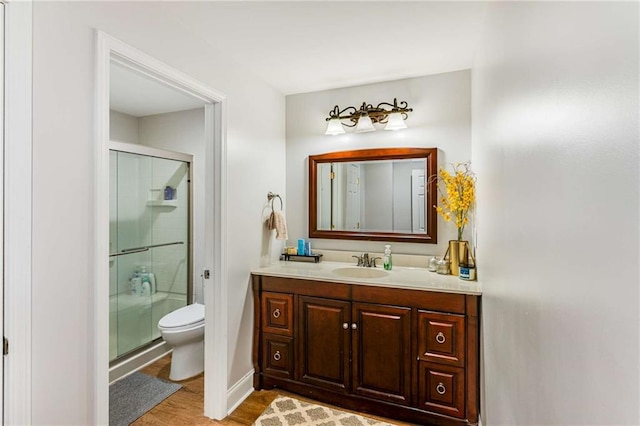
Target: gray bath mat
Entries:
(136, 394)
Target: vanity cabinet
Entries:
(405, 354)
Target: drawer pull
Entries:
(345, 325)
(440, 338)
(276, 313)
(441, 389)
(277, 357)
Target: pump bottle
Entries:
(387, 257)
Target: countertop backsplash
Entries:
(408, 260)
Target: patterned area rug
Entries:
(285, 411)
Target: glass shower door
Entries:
(149, 246)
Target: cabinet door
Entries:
(278, 358)
(277, 313)
(382, 352)
(441, 389)
(324, 342)
(441, 338)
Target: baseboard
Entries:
(139, 361)
(239, 392)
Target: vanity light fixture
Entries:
(362, 119)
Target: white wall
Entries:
(441, 118)
(63, 182)
(555, 147)
(123, 127)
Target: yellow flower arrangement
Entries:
(457, 194)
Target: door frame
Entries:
(17, 211)
(215, 291)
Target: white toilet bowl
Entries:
(183, 329)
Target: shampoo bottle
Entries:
(168, 193)
(387, 257)
(152, 283)
(136, 282)
(135, 285)
(145, 285)
(145, 289)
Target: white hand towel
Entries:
(276, 221)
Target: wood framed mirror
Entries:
(381, 194)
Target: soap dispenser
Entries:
(387, 257)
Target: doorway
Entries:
(208, 188)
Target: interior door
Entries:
(418, 210)
(353, 196)
(2, 210)
(325, 170)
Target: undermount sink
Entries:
(358, 272)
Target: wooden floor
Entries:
(185, 407)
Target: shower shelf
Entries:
(162, 203)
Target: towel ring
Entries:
(271, 196)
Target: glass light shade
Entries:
(395, 122)
(364, 124)
(334, 127)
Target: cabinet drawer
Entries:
(278, 356)
(441, 338)
(277, 313)
(441, 389)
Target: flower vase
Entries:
(458, 254)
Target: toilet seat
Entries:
(186, 317)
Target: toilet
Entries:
(183, 329)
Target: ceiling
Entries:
(307, 46)
(138, 95)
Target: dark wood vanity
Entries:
(404, 354)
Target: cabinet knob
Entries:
(440, 338)
(277, 357)
(441, 389)
(354, 326)
(276, 313)
(345, 325)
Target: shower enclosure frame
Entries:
(155, 345)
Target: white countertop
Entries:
(398, 277)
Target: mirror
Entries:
(374, 194)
